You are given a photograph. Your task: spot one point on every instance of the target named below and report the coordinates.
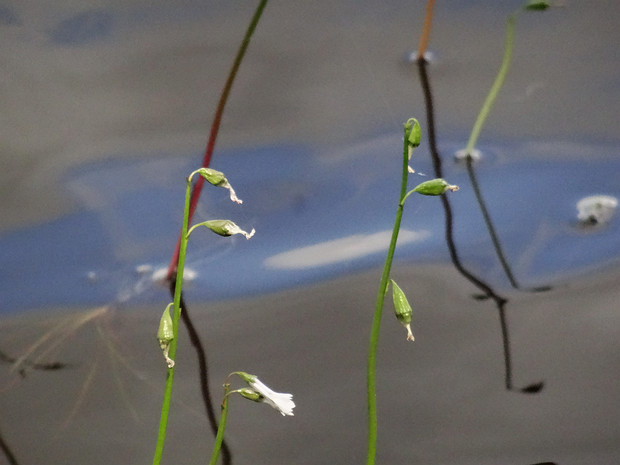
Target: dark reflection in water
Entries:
(21, 364)
(488, 292)
(203, 372)
(96, 251)
(6, 450)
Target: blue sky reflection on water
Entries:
(315, 217)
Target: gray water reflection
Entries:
(104, 111)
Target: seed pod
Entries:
(250, 394)
(436, 186)
(165, 334)
(212, 176)
(402, 309)
(223, 228)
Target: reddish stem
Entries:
(215, 128)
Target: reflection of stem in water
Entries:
(487, 220)
(6, 450)
(4, 357)
(500, 301)
(58, 335)
(203, 369)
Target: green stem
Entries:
(165, 408)
(376, 322)
(220, 429)
(497, 85)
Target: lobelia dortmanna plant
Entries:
(167, 334)
(402, 308)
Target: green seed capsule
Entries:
(250, 394)
(402, 309)
(436, 186)
(165, 334)
(212, 176)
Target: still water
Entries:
(106, 109)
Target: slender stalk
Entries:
(376, 322)
(215, 126)
(220, 429)
(426, 32)
(497, 85)
(165, 408)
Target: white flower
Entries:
(282, 402)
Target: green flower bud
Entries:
(165, 334)
(212, 176)
(402, 309)
(436, 186)
(217, 179)
(533, 5)
(223, 228)
(250, 394)
(413, 133)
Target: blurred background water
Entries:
(105, 110)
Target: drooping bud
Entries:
(413, 132)
(165, 334)
(402, 309)
(223, 228)
(413, 135)
(212, 176)
(250, 394)
(436, 186)
(218, 179)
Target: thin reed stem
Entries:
(497, 85)
(376, 322)
(426, 32)
(165, 408)
(220, 430)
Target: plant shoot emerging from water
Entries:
(411, 140)
(168, 331)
